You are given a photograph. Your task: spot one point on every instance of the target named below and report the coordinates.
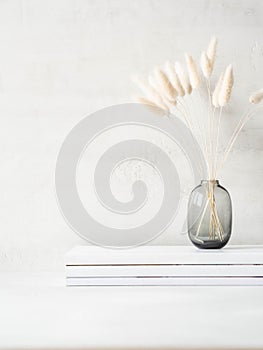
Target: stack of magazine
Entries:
(164, 265)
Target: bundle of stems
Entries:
(187, 93)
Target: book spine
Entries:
(165, 270)
(206, 258)
(166, 281)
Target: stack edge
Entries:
(164, 266)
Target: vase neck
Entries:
(212, 182)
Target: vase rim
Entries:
(216, 182)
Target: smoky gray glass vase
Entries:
(209, 215)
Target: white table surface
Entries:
(37, 311)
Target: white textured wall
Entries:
(61, 60)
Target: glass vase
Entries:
(209, 215)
